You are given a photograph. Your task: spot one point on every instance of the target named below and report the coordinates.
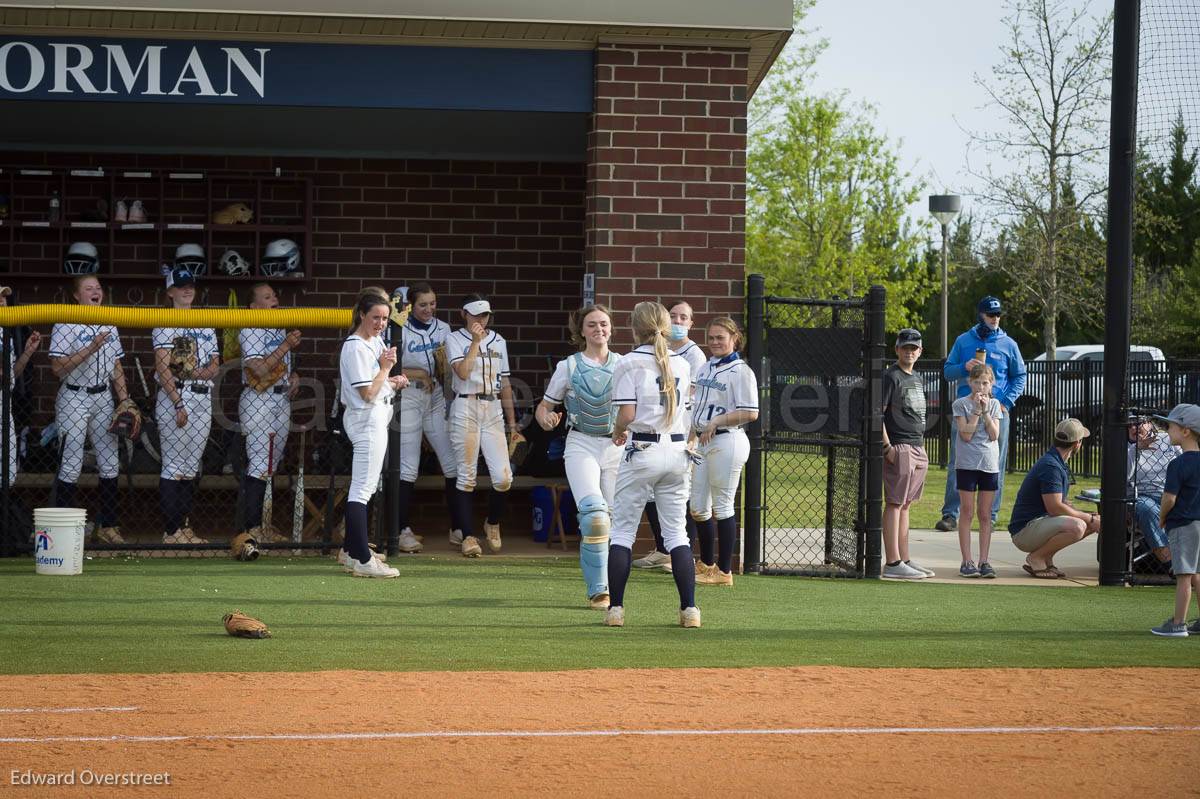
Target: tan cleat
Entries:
(689, 617)
(615, 617)
(470, 547)
(599, 601)
(712, 575)
(492, 531)
(184, 535)
(108, 535)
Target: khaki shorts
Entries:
(904, 480)
(1034, 535)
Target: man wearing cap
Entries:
(1149, 454)
(905, 463)
(984, 343)
(1042, 521)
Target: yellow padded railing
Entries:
(133, 317)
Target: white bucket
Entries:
(58, 540)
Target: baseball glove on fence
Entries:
(244, 547)
(518, 448)
(264, 383)
(126, 420)
(182, 360)
(440, 365)
(240, 625)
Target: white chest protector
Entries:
(589, 402)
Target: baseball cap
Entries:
(908, 337)
(1068, 431)
(5, 291)
(478, 307)
(181, 276)
(1185, 415)
(990, 304)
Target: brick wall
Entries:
(666, 177)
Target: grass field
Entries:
(448, 614)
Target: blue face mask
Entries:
(678, 332)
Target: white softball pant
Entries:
(182, 447)
(715, 480)
(478, 425)
(367, 430)
(659, 468)
(261, 415)
(591, 464)
(423, 413)
(81, 415)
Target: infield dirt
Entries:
(453, 714)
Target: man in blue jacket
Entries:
(1002, 354)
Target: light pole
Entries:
(945, 208)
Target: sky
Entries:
(915, 62)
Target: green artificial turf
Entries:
(516, 614)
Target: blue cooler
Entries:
(543, 512)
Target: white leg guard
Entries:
(593, 547)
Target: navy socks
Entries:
(706, 531)
(404, 501)
(655, 527)
(683, 569)
(619, 562)
(356, 532)
(726, 536)
(497, 504)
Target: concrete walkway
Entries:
(939, 551)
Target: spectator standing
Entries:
(977, 423)
(985, 343)
(1180, 516)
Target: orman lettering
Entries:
(132, 70)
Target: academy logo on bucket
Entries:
(42, 543)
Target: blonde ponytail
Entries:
(651, 325)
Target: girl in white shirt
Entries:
(367, 390)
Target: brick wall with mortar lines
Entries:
(666, 180)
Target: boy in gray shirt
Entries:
(977, 466)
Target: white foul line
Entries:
(794, 731)
(67, 709)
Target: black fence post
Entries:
(755, 334)
(873, 370)
(1118, 287)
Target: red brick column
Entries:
(666, 178)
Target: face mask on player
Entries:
(678, 332)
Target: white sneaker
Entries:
(345, 561)
(122, 212)
(653, 560)
(912, 564)
(137, 213)
(374, 568)
(409, 542)
(614, 617)
(902, 571)
(470, 547)
(689, 617)
(456, 538)
(492, 531)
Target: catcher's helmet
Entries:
(82, 259)
(281, 257)
(233, 264)
(192, 257)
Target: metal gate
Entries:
(814, 482)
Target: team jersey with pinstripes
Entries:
(724, 385)
(95, 370)
(489, 367)
(419, 344)
(259, 342)
(694, 356)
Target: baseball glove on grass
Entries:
(240, 625)
(264, 383)
(182, 361)
(244, 547)
(126, 420)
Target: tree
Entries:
(1170, 201)
(1051, 89)
(826, 203)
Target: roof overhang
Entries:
(761, 27)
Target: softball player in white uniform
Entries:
(182, 410)
(15, 366)
(650, 386)
(482, 407)
(422, 407)
(265, 416)
(367, 391)
(583, 383)
(726, 398)
(680, 344)
(87, 358)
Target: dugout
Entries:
(539, 153)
